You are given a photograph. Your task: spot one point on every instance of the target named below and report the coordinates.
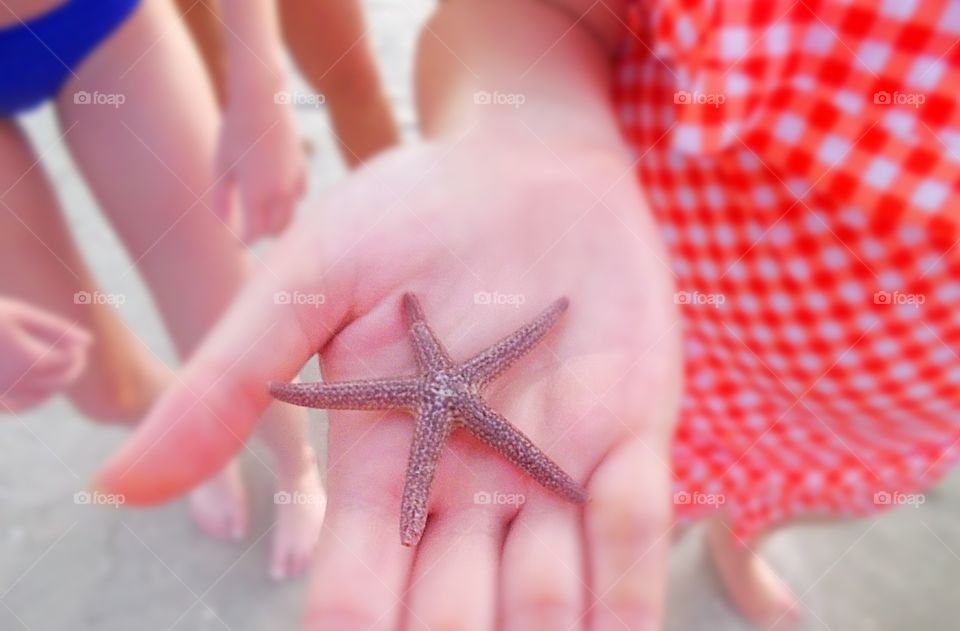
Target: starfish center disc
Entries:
(447, 386)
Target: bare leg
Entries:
(42, 265)
(150, 163)
(202, 18)
(329, 43)
(298, 523)
(751, 584)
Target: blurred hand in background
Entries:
(260, 161)
(329, 43)
(39, 354)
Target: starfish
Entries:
(443, 397)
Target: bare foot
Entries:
(219, 506)
(300, 502)
(751, 584)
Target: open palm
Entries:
(486, 244)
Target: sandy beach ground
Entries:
(65, 566)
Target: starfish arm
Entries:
(430, 353)
(376, 394)
(497, 432)
(491, 363)
(433, 425)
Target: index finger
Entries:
(208, 415)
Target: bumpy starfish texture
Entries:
(445, 396)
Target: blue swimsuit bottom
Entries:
(38, 56)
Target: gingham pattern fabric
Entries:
(802, 159)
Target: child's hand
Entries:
(39, 354)
(261, 163)
(486, 238)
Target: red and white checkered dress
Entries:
(803, 160)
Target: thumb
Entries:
(208, 415)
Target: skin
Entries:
(445, 396)
(603, 405)
(203, 19)
(150, 164)
(259, 155)
(527, 201)
(752, 585)
(340, 64)
(121, 379)
(41, 353)
(328, 41)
